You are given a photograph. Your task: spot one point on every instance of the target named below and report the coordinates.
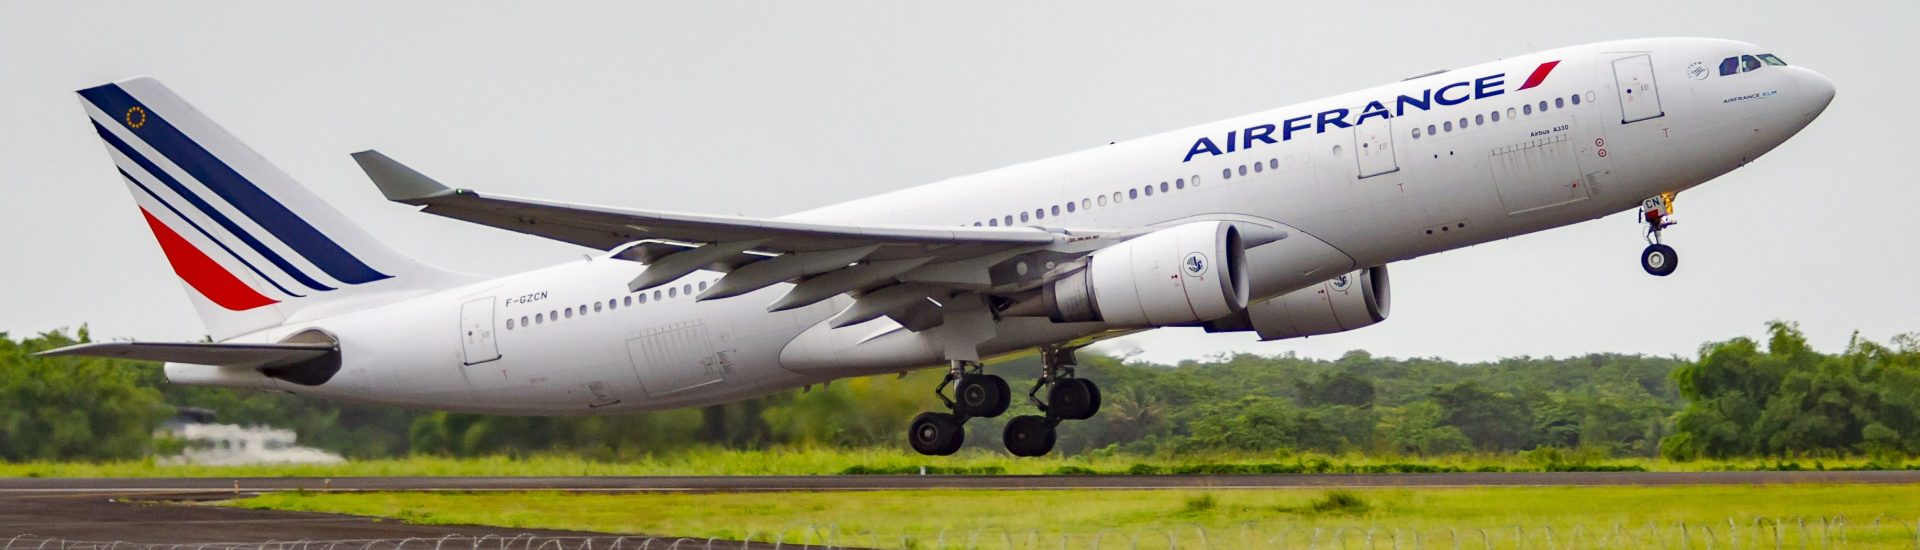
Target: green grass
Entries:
(1227, 517)
(890, 460)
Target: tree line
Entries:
(1739, 398)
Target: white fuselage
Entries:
(1415, 180)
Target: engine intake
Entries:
(1180, 275)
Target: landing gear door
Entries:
(1373, 148)
(1639, 95)
(476, 332)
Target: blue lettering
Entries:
(1232, 144)
(1441, 97)
(1203, 146)
(1373, 109)
(1489, 86)
(1261, 132)
(1339, 121)
(1288, 128)
(1424, 103)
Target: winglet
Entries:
(398, 182)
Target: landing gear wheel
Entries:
(1029, 436)
(982, 395)
(1659, 260)
(1073, 399)
(936, 434)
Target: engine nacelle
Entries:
(1179, 275)
(1354, 300)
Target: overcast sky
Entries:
(767, 108)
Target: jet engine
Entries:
(1183, 274)
(1354, 300)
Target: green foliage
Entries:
(1273, 414)
(1345, 503)
(1791, 400)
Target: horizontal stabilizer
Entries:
(233, 355)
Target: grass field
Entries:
(890, 460)
(1865, 516)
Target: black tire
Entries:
(936, 434)
(1073, 399)
(1659, 260)
(981, 395)
(1029, 436)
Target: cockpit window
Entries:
(1729, 66)
(1772, 59)
(1748, 63)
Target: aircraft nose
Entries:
(1817, 88)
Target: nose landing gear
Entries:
(1658, 259)
(979, 395)
(1068, 398)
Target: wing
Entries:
(201, 353)
(915, 266)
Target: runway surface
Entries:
(129, 509)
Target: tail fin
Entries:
(251, 244)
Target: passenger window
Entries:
(1257, 167)
(976, 224)
(1103, 200)
(1526, 109)
(1182, 184)
(687, 289)
(1116, 197)
(1243, 169)
(1448, 126)
(555, 315)
(1195, 179)
(1433, 130)
(1772, 60)
(1748, 63)
(1273, 164)
(583, 309)
(1069, 207)
(596, 308)
(1086, 204)
(1496, 116)
(1039, 213)
(1559, 103)
(1009, 220)
(1416, 133)
(643, 297)
(1056, 210)
(1133, 193)
(1225, 174)
(993, 223)
(673, 292)
(1589, 96)
(703, 285)
(1163, 187)
(523, 320)
(509, 324)
(1149, 190)
(1479, 120)
(1463, 123)
(1511, 113)
(1543, 105)
(628, 300)
(1576, 99)
(540, 318)
(1729, 66)
(1023, 217)
(569, 313)
(656, 295)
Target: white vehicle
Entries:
(1280, 222)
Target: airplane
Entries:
(1280, 223)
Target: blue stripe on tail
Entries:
(207, 209)
(232, 187)
(203, 232)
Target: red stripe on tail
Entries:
(1539, 74)
(202, 273)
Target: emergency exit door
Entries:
(1639, 94)
(476, 331)
(1373, 148)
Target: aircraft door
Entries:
(1373, 148)
(1639, 94)
(476, 331)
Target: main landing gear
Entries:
(1658, 259)
(1068, 398)
(977, 394)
